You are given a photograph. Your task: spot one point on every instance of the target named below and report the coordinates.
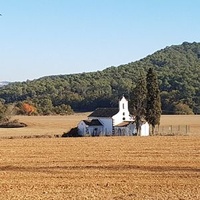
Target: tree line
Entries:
(177, 68)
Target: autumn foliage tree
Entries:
(28, 109)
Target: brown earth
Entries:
(160, 167)
(100, 168)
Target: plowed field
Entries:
(100, 168)
(160, 167)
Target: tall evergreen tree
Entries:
(153, 111)
(138, 101)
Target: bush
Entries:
(12, 124)
(72, 133)
(182, 109)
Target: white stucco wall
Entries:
(81, 128)
(95, 130)
(107, 124)
(85, 130)
(123, 114)
(145, 129)
(129, 130)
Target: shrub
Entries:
(182, 109)
(72, 133)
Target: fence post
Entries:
(189, 128)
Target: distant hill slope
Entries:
(177, 67)
(2, 83)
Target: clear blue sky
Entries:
(50, 37)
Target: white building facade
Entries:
(111, 122)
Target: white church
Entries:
(111, 122)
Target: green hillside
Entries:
(177, 67)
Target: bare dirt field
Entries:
(100, 168)
(160, 167)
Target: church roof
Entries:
(94, 122)
(104, 112)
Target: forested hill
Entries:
(177, 67)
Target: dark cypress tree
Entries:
(153, 110)
(138, 102)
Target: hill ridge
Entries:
(177, 67)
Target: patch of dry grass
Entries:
(100, 168)
(193, 121)
(44, 125)
(56, 125)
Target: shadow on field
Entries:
(99, 167)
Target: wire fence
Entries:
(173, 130)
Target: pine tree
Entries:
(138, 102)
(153, 110)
